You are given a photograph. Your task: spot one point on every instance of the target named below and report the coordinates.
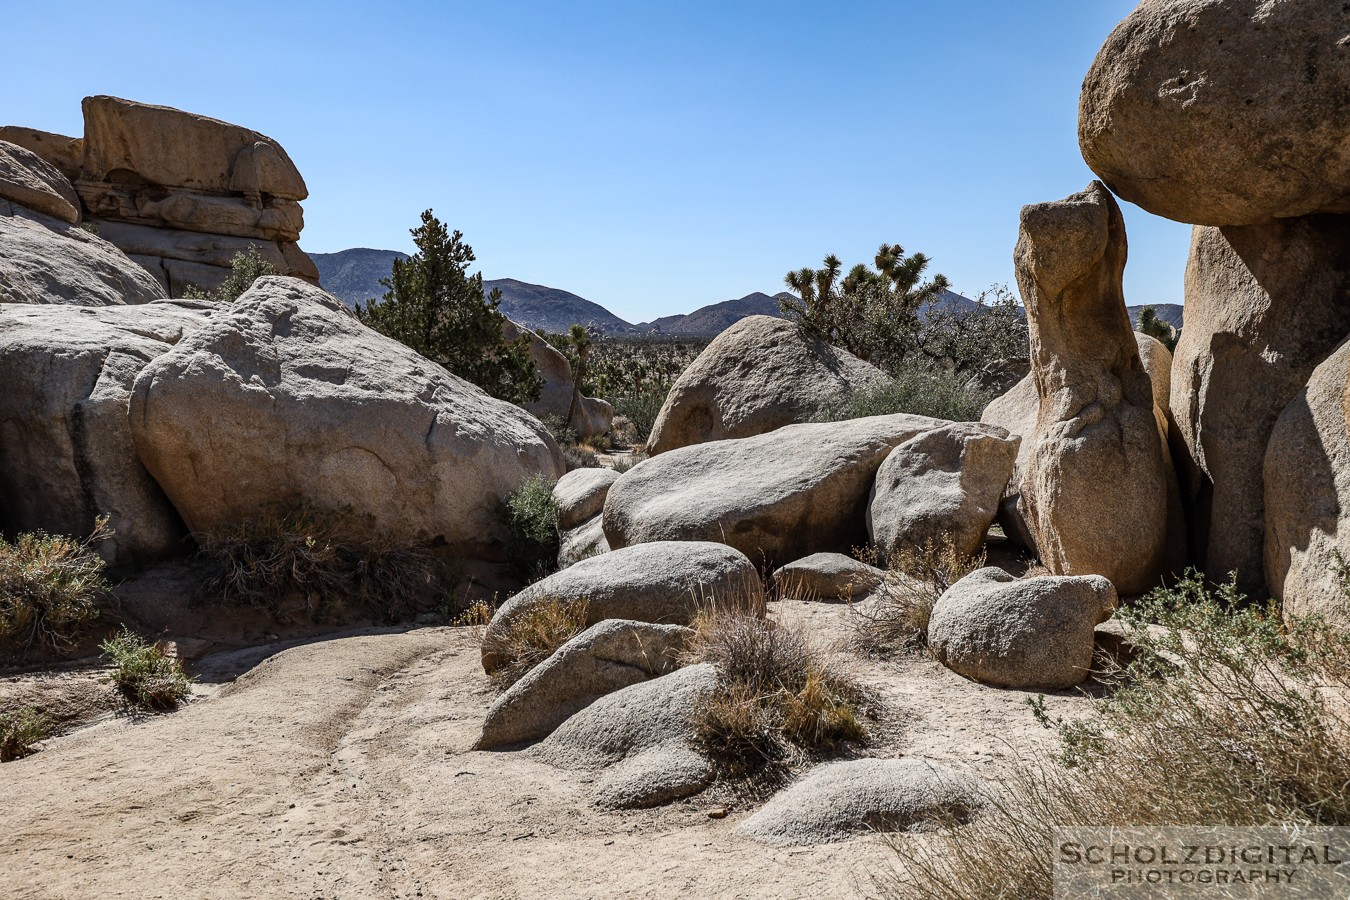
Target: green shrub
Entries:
(20, 731)
(1225, 715)
(143, 674)
(641, 409)
(530, 515)
(324, 559)
(51, 587)
(532, 636)
(916, 388)
(246, 267)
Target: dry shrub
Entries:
(299, 552)
(50, 589)
(20, 731)
(144, 674)
(532, 636)
(779, 695)
(1224, 716)
(896, 617)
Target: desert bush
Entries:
(21, 730)
(530, 515)
(779, 695)
(896, 616)
(533, 635)
(1225, 716)
(299, 551)
(51, 587)
(918, 388)
(143, 674)
(246, 267)
(626, 464)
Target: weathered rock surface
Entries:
(760, 374)
(582, 542)
(1096, 486)
(1307, 495)
(1264, 305)
(942, 485)
(63, 152)
(284, 396)
(604, 658)
(827, 576)
(775, 497)
(840, 800)
(1223, 113)
(590, 416)
(580, 495)
(29, 180)
(66, 452)
(46, 260)
(1033, 633)
(643, 734)
(663, 582)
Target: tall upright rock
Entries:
(1097, 479)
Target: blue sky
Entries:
(652, 157)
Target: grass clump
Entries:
(532, 636)
(530, 515)
(51, 587)
(300, 554)
(917, 388)
(779, 696)
(144, 674)
(1225, 715)
(20, 732)
(896, 617)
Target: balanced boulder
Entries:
(1217, 112)
(775, 497)
(29, 180)
(604, 658)
(1033, 633)
(827, 576)
(941, 487)
(284, 397)
(580, 495)
(760, 374)
(840, 800)
(1096, 485)
(664, 582)
(66, 450)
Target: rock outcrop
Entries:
(180, 193)
(47, 260)
(1264, 305)
(582, 542)
(580, 495)
(663, 582)
(29, 180)
(605, 658)
(1307, 495)
(775, 497)
(283, 396)
(590, 416)
(66, 450)
(840, 800)
(760, 374)
(1096, 485)
(826, 576)
(1223, 113)
(942, 486)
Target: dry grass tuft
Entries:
(1225, 716)
(50, 589)
(532, 636)
(20, 732)
(896, 616)
(780, 695)
(311, 558)
(144, 674)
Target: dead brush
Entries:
(532, 636)
(895, 617)
(300, 553)
(780, 696)
(21, 730)
(51, 588)
(1224, 716)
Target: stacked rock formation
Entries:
(179, 193)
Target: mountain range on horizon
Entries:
(354, 276)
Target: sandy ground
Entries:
(340, 769)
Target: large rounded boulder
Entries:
(285, 397)
(1223, 112)
(760, 374)
(29, 180)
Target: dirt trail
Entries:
(341, 769)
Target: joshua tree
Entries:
(581, 343)
(1151, 325)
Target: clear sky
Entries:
(652, 157)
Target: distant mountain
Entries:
(716, 317)
(354, 275)
(1171, 313)
(536, 306)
